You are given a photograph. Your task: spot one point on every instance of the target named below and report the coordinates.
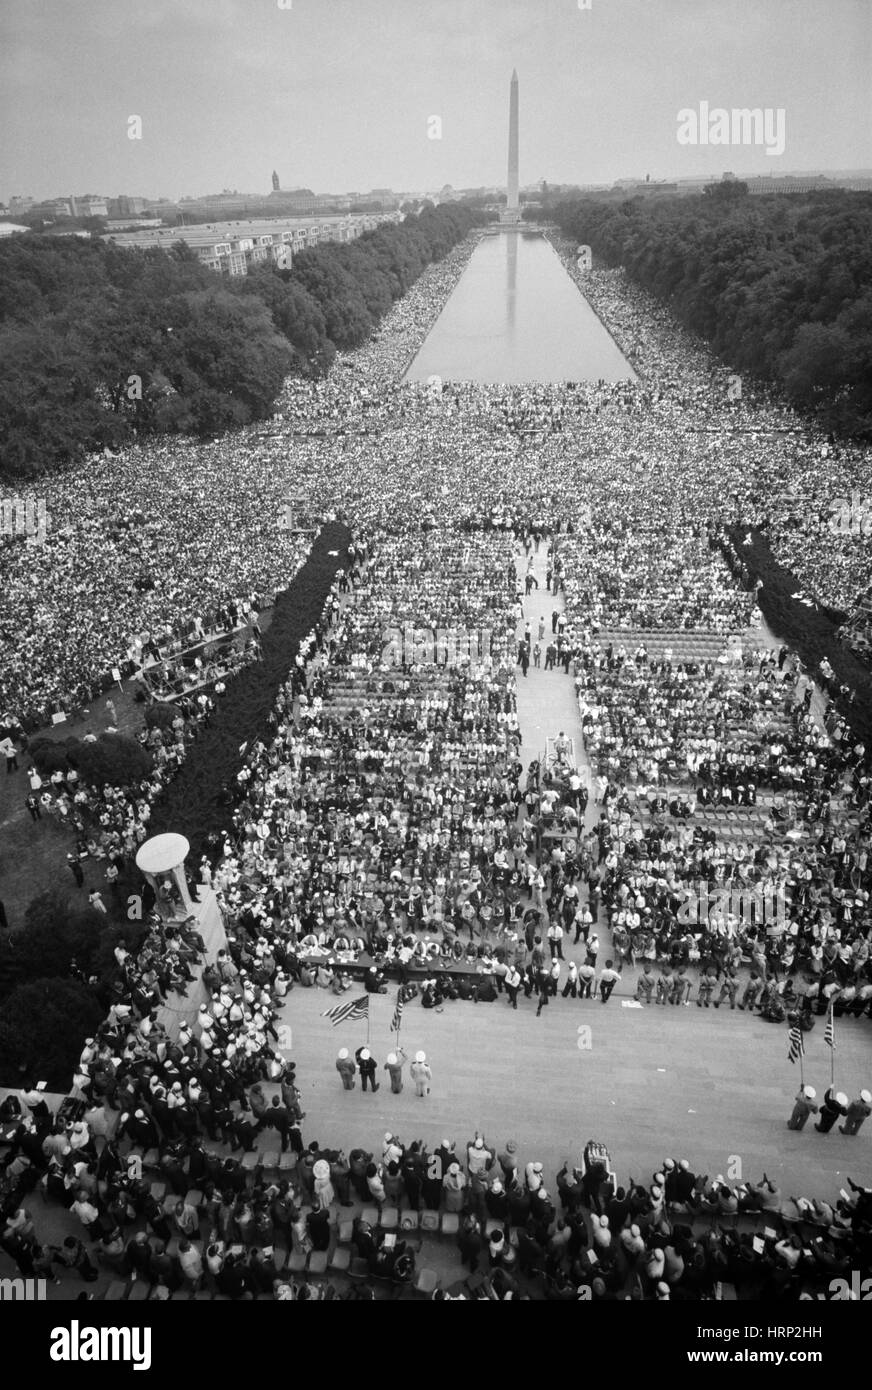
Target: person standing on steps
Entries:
(346, 1069)
(394, 1068)
(607, 981)
(366, 1067)
(804, 1106)
(645, 984)
(706, 989)
(421, 1074)
(542, 983)
(729, 988)
(858, 1111)
(586, 981)
(835, 1104)
(513, 984)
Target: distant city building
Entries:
(89, 205)
(123, 206)
(789, 184)
(230, 248)
(120, 224)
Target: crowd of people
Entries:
(394, 811)
(289, 1224)
(111, 822)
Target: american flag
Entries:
(354, 1008)
(398, 1013)
(797, 1048)
(829, 1031)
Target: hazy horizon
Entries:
(338, 95)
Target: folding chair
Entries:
(427, 1282)
(297, 1261)
(340, 1260)
(450, 1223)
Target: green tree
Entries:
(42, 1027)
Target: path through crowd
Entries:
(546, 699)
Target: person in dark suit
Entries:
(835, 1105)
(277, 1118)
(366, 1067)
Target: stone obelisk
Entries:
(512, 212)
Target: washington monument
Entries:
(512, 213)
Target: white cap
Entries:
(841, 1098)
(866, 1096)
(809, 1092)
(343, 1053)
(392, 1059)
(365, 1054)
(420, 1056)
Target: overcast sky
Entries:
(336, 94)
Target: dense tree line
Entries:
(100, 344)
(201, 796)
(780, 286)
(57, 979)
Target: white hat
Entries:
(343, 1053)
(841, 1098)
(321, 1169)
(365, 1054)
(866, 1096)
(479, 1143)
(420, 1056)
(388, 1137)
(809, 1092)
(392, 1059)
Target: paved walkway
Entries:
(546, 699)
